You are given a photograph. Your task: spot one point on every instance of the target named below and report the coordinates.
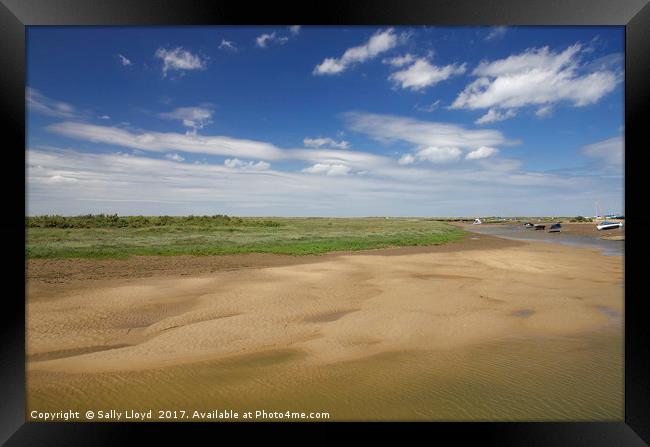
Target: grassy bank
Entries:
(118, 237)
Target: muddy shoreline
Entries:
(65, 271)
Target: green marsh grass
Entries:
(119, 237)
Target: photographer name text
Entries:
(158, 415)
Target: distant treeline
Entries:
(581, 219)
(115, 221)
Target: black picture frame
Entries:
(15, 15)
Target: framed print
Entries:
(288, 218)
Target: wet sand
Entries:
(486, 329)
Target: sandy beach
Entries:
(482, 329)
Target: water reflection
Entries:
(518, 232)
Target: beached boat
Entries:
(477, 222)
(528, 225)
(539, 226)
(607, 225)
(555, 228)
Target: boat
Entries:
(539, 226)
(607, 225)
(477, 222)
(555, 228)
(528, 225)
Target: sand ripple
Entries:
(501, 333)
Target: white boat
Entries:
(477, 222)
(606, 225)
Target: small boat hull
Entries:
(608, 226)
(555, 228)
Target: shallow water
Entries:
(523, 313)
(576, 377)
(518, 232)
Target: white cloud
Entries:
(399, 61)
(422, 133)
(481, 152)
(612, 62)
(544, 111)
(328, 169)
(212, 145)
(326, 142)
(179, 59)
(294, 29)
(166, 141)
(532, 59)
(329, 66)
(355, 159)
(124, 60)
(435, 142)
(536, 77)
(141, 185)
(40, 103)
(430, 108)
(493, 115)
(381, 41)
(104, 117)
(440, 155)
(497, 33)
(62, 179)
(109, 182)
(192, 117)
(263, 40)
(610, 153)
(236, 163)
(436, 154)
(174, 157)
(426, 181)
(510, 166)
(227, 45)
(422, 74)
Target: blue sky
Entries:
(325, 121)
